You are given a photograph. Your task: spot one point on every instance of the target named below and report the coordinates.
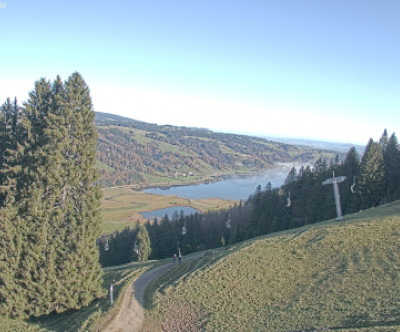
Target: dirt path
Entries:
(131, 315)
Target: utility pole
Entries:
(335, 182)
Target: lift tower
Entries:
(335, 182)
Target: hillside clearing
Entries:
(329, 275)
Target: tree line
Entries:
(371, 180)
(49, 205)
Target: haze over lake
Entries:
(231, 188)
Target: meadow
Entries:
(122, 206)
(325, 276)
(331, 276)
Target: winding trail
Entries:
(131, 314)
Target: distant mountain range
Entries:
(338, 147)
(137, 153)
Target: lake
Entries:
(231, 188)
(169, 211)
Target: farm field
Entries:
(122, 206)
(324, 276)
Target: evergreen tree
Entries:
(34, 253)
(267, 211)
(83, 220)
(305, 183)
(54, 204)
(143, 244)
(372, 173)
(11, 140)
(253, 224)
(153, 231)
(12, 229)
(391, 156)
(383, 141)
(351, 199)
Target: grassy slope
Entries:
(327, 275)
(121, 207)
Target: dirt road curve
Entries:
(131, 315)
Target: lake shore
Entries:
(169, 182)
(123, 205)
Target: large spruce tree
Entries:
(81, 197)
(12, 227)
(56, 202)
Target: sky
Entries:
(314, 69)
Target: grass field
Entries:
(121, 206)
(334, 276)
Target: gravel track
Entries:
(131, 315)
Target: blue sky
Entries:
(315, 69)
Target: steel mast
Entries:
(335, 181)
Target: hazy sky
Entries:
(325, 69)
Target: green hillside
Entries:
(324, 276)
(138, 153)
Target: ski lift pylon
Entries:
(335, 182)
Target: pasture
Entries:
(329, 275)
(326, 276)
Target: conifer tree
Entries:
(11, 224)
(256, 201)
(372, 172)
(55, 202)
(153, 231)
(292, 176)
(383, 141)
(350, 197)
(80, 196)
(391, 156)
(42, 200)
(143, 244)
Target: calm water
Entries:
(169, 211)
(232, 188)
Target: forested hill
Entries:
(134, 152)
